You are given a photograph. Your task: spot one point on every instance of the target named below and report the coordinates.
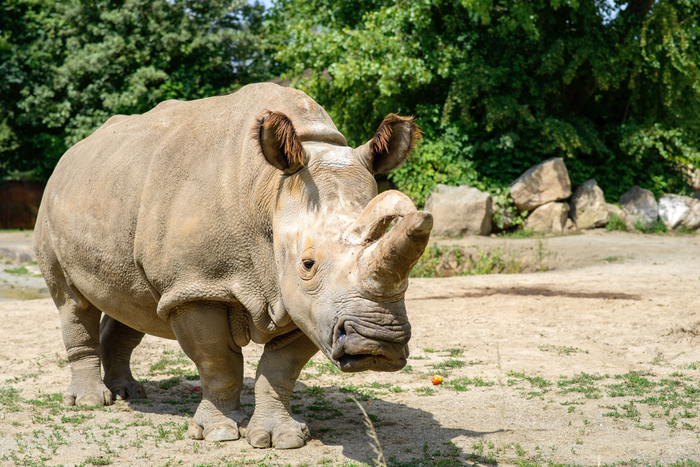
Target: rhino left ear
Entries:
(394, 140)
(279, 142)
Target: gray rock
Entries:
(588, 206)
(640, 205)
(540, 184)
(459, 210)
(548, 218)
(673, 209)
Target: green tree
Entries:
(67, 66)
(611, 86)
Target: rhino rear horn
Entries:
(376, 217)
(385, 265)
(390, 146)
(280, 143)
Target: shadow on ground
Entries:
(405, 434)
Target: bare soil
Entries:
(594, 361)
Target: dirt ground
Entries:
(595, 361)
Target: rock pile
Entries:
(541, 191)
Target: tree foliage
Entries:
(66, 66)
(612, 86)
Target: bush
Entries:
(443, 159)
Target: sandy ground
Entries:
(596, 361)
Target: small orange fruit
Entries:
(437, 379)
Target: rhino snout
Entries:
(361, 344)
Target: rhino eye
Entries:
(308, 264)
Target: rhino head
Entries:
(342, 276)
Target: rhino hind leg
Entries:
(117, 342)
(272, 424)
(202, 329)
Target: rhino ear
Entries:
(394, 140)
(279, 142)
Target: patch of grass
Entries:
(170, 359)
(534, 381)
(455, 352)
(98, 461)
(77, 419)
(582, 383)
(657, 228)
(428, 263)
(169, 383)
(52, 401)
(629, 411)
(633, 383)
(320, 369)
(684, 230)
(426, 391)
(612, 259)
(518, 233)
(561, 349)
(450, 364)
(443, 262)
(357, 392)
(540, 255)
(492, 263)
(615, 223)
(9, 397)
(18, 271)
(462, 384)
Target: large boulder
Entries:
(673, 209)
(459, 210)
(540, 184)
(640, 205)
(676, 210)
(588, 207)
(548, 218)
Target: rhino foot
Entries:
(281, 434)
(87, 394)
(222, 428)
(126, 388)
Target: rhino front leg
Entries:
(202, 329)
(80, 325)
(118, 341)
(272, 423)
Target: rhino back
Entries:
(175, 205)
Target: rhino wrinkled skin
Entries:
(224, 220)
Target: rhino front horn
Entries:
(384, 266)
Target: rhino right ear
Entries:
(279, 142)
(394, 140)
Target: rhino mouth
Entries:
(359, 345)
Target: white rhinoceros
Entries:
(224, 220)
